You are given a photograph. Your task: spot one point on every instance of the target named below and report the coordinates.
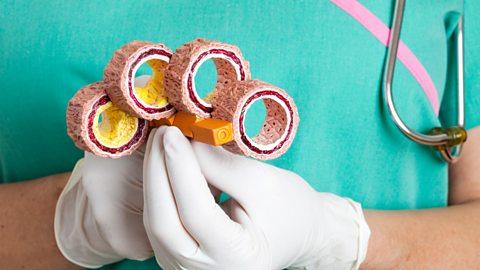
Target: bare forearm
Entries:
(447, 238)
(26, 224)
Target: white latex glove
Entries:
(98, 219)
(274, 219)
(99, 215)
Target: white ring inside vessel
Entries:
(210, 56)
(270, 146)
(135, 68)
(96, 120)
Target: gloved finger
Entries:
(161, 220)
(107, 180)
(244, 179)
(116, 206)
(199, 212)
(121, 230)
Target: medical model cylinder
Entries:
(96, 125)
(180, 74)
(280, 125)
(148, 101)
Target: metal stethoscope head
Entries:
(448, 141)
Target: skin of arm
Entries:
(26, 224)
(443, 238)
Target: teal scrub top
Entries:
(331, 65)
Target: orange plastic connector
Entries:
(210, 131)
(162, 122)
(213, 131)
(184, 122)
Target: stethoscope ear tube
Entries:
(448, 141)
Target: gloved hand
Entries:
(273, 220)
(98, 219)
(99, 215)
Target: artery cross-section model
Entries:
(111, 118)
(180, 74)
(117, 134)
(147, 102)
(280, 124)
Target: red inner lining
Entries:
(191, 93)
(244, 137)
(152, 51)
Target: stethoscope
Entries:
(448, 141)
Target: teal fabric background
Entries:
(329, 63)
